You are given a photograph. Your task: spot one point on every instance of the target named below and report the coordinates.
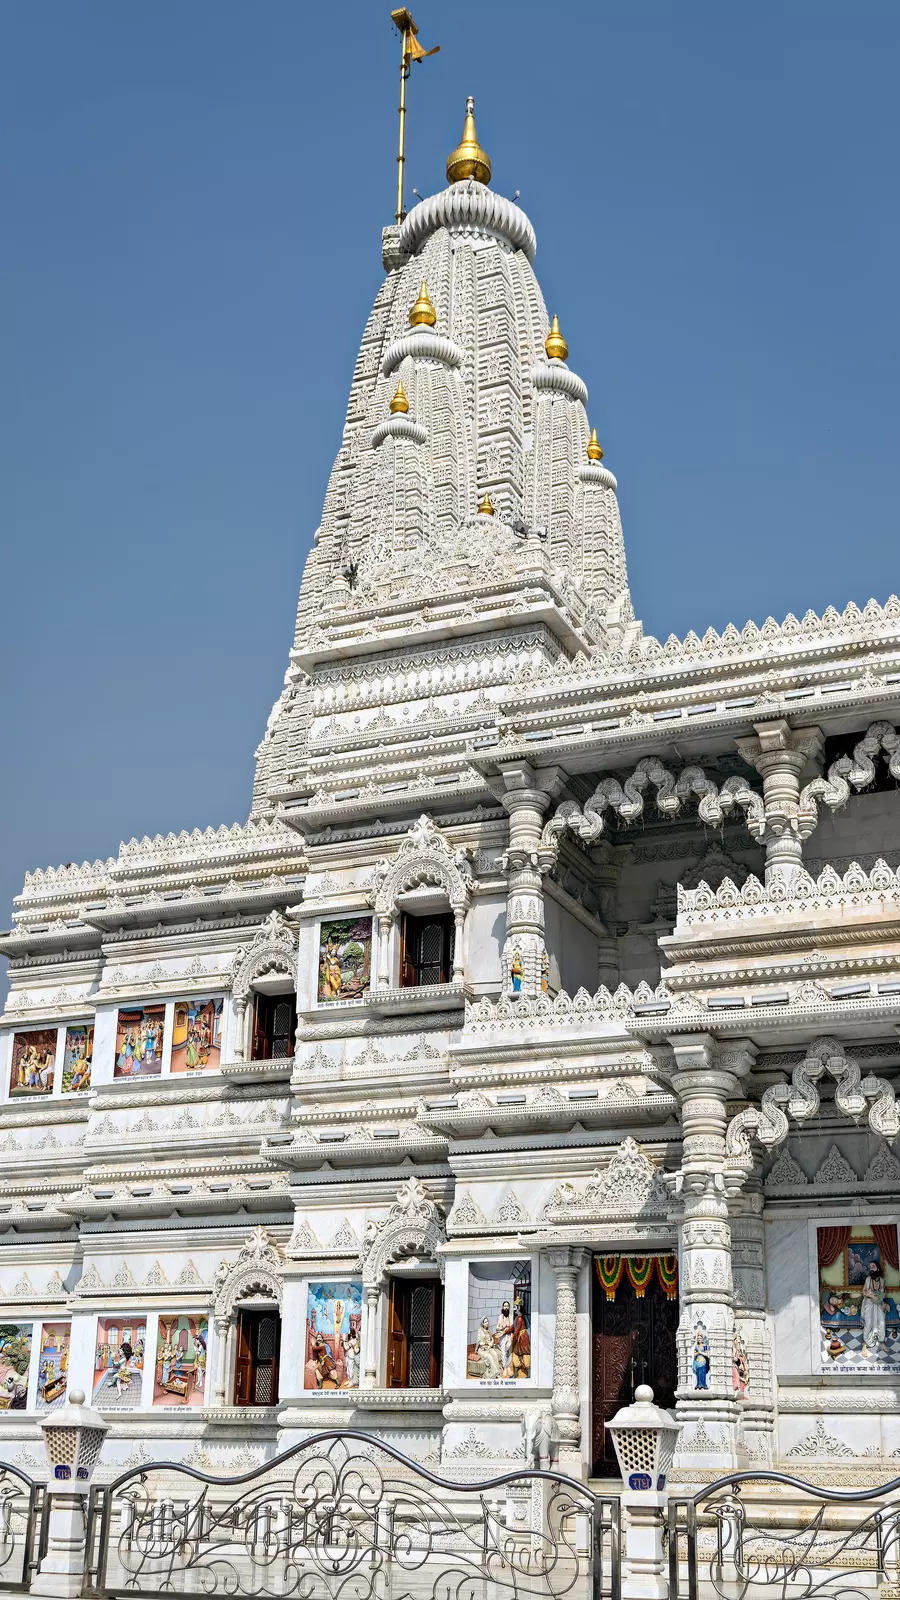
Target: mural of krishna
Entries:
(139, 1042)
(197, 1036)
(79, 1052)
(345, 958)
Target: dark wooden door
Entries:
(632, 1342)
(426, 950)
(256, 1358)
(415, 1312)
(274, 1027)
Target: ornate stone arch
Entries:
(272, 949)
(424, 856)
(414, 1225)
(257, 1269)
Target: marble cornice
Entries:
(123, 1094)
(424, 793)
(790, 1018)
(628, 721)
(740, 935)
(465, 1122)
(815, 964)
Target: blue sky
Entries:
(193, 193)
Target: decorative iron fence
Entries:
(798, 1543)
(345, 1516)
(22, 1527)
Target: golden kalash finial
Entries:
(595, 453)
(468, 160)
(486, 509)
(423, 312)
(399, 402)
(554, 344)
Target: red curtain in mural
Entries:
(830, 1243)
(885, 1236)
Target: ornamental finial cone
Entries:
(554, 344)
(399, 402)
(468, 160)
(594, 450)
(486, 508)
(423, 312)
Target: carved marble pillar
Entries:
(459, 954)
(384, 952)
(748, 1270)
(241, 1051)
(223, 1326)
(780, 753)
(370, 1376)
(706, 1078)
(524, 949)
(565, 1405)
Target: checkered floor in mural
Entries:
(106, 1397)
(884, 1359)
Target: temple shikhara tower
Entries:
(535, 1036)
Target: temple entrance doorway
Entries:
(634, 1319)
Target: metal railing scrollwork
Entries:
(21, 1527)
(736, 1540)
(345, 1516)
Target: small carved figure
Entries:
(516, 971)
(701, 1360)
(740, 1365)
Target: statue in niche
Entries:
(740, 1365)
(701, 1359)
(516, 970)
(545, 973)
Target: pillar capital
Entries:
(780, 754)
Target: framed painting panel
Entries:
(859, 1298)
(179, 1375)
(345, 958)
(53, 1365)
(77, 1058)
(333, 1335)
(498, 1334)
(139, 1041)
(33, 1063)
(119, 1363)
(197, 1035)
(15, 1358)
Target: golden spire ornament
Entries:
(554, 344)
(486, 509)
(468, 160)
(594, 450)
(423, 313)
(399, 403)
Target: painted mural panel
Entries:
(119, 1362)
(345, 958)
(77, 1058)
(197, 1035)
(139, 1041)
(33, 1062)
(179, 1377)
(859, 1298)
(333, 1335)
(15, 1356)
(53, 1365)
(498, 1340)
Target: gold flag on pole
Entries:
(411, 50)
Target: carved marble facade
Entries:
(667, 871)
